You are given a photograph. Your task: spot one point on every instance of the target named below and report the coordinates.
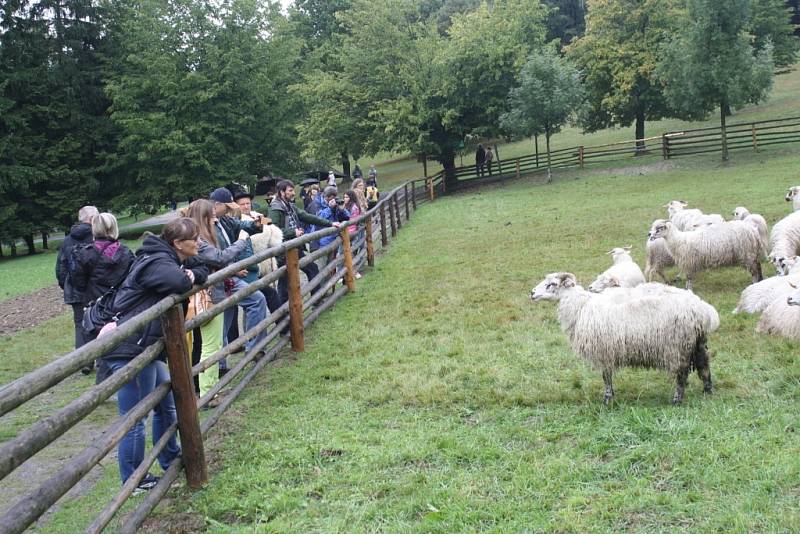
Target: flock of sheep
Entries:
(625, 319)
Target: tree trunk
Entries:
(549, 172)
(448, 160)
(14, 248)
(44, 241)
(536, 146)
(1, 249)
(425, 166)
(727, 109)
(640, 145)
(345, 166)
(30, 244)
(723, 132)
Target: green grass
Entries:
(782, 102)
(438, 398)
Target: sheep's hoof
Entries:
(676, 400)
(708, 389)
(607, 399)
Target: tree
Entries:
(566, 20)
(770, 23)
(549, 93)
(712, 63)
(617, 58)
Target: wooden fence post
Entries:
(180, 371)
(664, 146)
(370, 246)
(414, 195)
(755, 140)
(405, 197)
(397, 210)
(430, 189)
(349, 272)
(518, 174)
(384, 236)
(295, 300)
(392, 219)
(580, 156)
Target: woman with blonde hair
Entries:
(202, 213)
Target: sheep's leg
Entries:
(680, 379)
(609, 393)
(702, 365)
(688, 283)
(755, 271)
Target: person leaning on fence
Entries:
(164, 266)
(489, 159)
(99, 266)
(79, 234)
(288, 217)
(480, 160)
(228, 229)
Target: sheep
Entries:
(785, 240)
(793, 196)
(755, 298)
(658, 257)
(741, 213)
(690, 219)
(651, 325)
(782, 318)
(704, 220)
(718, 245)
(623, 273)
(271, 236)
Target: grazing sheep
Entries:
(270, 237)
(785, 240)
(652, 326)
(718, 245)
(658, 257)
(741, 213)
(755, 298)
(793, 196)
(623, 273)
(781, 318)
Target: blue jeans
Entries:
(255, 311)
(131, 448)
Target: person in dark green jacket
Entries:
(288, 217)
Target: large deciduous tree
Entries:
(548, 94)
(618, 56)
(713, 64)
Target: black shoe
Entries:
(222, 372)
(86, 370)
(146, 484)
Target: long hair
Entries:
(179, 229)
(201, 211)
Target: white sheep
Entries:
(755, 298)
(741, 213)
(705, 220)
(785, 240)
(271, 236)
(689, 219)
(793, 196)
(623, 273)
(782, 318)
(719, 245)
(658, 257)
(651, 325)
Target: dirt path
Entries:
(31, 309)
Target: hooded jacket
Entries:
(287, 216)
(80, 234)
(99, 267)
(161, 275)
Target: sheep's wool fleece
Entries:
(780, 319)
(720, 245)
(757, 297)
(658, 330)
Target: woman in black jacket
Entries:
(164, 265)
(99, 266)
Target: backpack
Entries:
(100, 311)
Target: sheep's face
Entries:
(551, 287)
(740, 213)
(674, 206)
(603, 282)
(781, 264)
(792, 193)
(659, 229)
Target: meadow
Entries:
(438, 398)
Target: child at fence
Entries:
(164, 266)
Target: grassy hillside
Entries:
(783, 101)
(438, 398)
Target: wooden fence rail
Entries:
(307, 301)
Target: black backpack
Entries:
(100, 311)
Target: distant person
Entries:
(99, 266)
(357, 172)
(331, 179)
(164, 266)
(372, 178)
(489, 159)
(80, 234)
(334, 212)
(480, 159)
(353, 205)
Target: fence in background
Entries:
(381, 223)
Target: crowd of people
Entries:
(209, 234)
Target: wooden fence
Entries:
(750, 135)
(299, 312)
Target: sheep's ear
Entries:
(610, 251)
(794, 286)
(683, 203)
(567, 279)
(614, 281)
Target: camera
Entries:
(340, 202)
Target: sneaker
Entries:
(358, 275)
(146, 484)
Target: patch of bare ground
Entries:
(31, 309)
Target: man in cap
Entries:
(245, 202)
(288, 217)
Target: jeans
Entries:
(255, 311)
(131, 448)
(81, 338)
